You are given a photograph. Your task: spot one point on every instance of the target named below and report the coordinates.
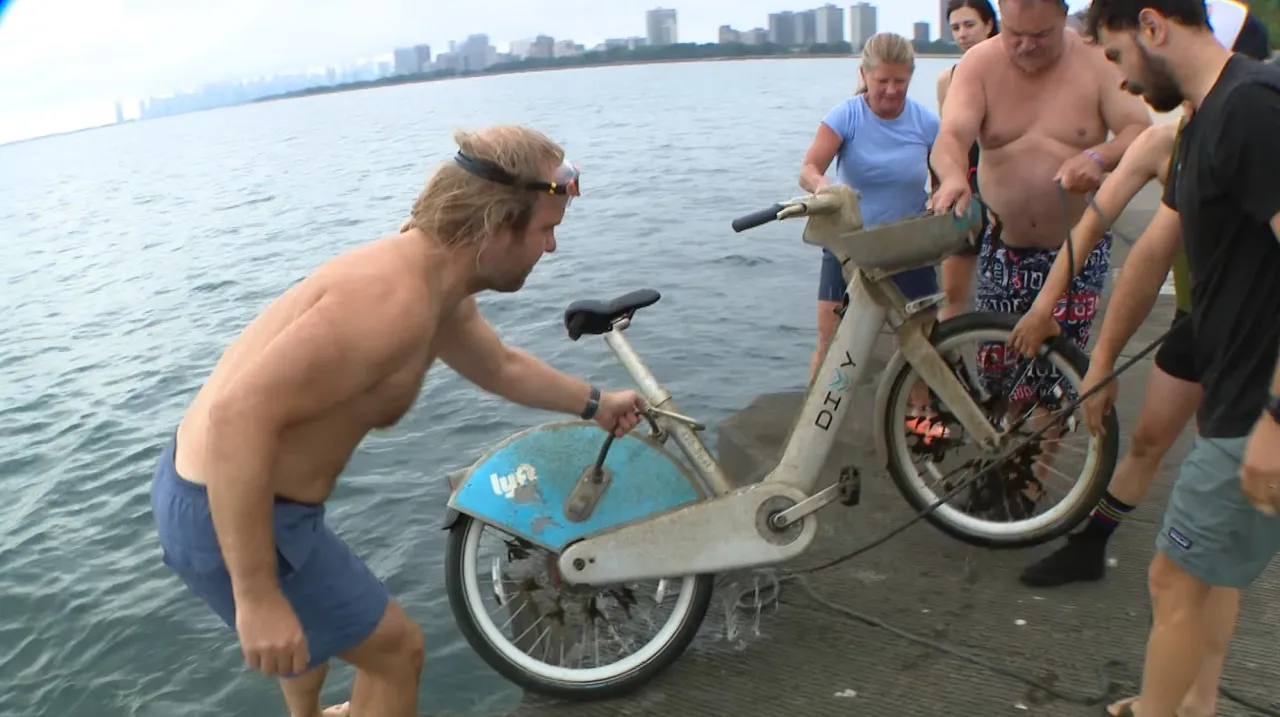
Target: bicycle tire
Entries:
(498, 657)
(1108, 449)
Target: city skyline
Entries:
(56, 75)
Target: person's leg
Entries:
(302, 695)
(831, 289)
(1220, 610)
(346, 612)
(1211, 538)
(958, 272)
(917, 284)
(1170, 402)
(190, 548)
(388, 667)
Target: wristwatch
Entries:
(1273, 407)
(593, 405)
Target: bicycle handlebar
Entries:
(807, 205)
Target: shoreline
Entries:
(391, 82)
(411, 80)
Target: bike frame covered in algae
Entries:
(643, 514)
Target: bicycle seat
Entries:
(595, 317)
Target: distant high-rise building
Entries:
(520, 48)
(944, 23)
(806, 27)
(782, 28)
(543, 47)
(405, 61)
(119, 112)
(755, 36)
(424, 57)
(830, 25)
(660, 24)
(476, 54)
(862, 24)
(920, 32)
(728, 35)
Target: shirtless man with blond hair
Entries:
(240, 489)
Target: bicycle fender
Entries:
(522, 485)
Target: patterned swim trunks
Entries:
(1009, 280)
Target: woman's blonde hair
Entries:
(884, 48)
(458, 208)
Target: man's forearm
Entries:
(241, 501)
(1113, 151)
(1083, 239)
(529, 382)
(1131, 302)
(949, 159)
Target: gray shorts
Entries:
(1210, 529)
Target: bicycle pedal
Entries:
(850, 486)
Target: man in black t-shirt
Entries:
(1223, 202)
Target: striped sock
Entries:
(1106, 516)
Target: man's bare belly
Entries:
(311, 455)
(1033, 125)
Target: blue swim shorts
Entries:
(336, 597)
(914, 283)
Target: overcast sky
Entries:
(64, 62)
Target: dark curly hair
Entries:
(1122, 15)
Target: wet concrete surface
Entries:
(799, 656)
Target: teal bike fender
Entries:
(522, 485)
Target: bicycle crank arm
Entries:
(731, 532)
(808, 506)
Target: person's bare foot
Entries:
(342, 710)
(1129, 707)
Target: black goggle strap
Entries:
(489, 171)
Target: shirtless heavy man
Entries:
(1173, 391)
(239, 492)
(1040, 102)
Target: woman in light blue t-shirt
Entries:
(881, 140)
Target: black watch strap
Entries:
(1273, 407)
(593, 405)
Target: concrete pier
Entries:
(807, 659)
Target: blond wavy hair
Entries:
(459, 209)
(885, 48)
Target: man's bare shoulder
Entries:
(372, 287)
(984, 56)
(1151, 149)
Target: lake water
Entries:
(131, 255)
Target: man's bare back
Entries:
(311, 454)
(1033, 124)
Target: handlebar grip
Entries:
(755, 219)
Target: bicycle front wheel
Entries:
(1008, 506)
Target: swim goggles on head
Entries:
(563, 183)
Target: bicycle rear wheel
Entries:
(521, 625)
(999, 510)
